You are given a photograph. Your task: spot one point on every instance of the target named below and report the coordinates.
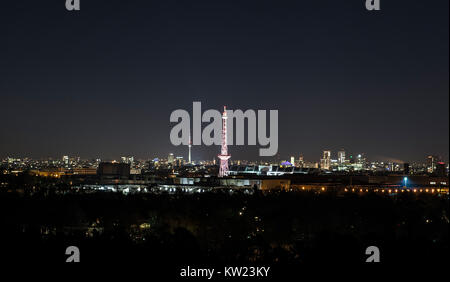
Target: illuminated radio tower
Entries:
(223, 170)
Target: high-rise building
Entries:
(179, 161)
(361, 160)
(292, 161)
(325, 162)
(170, 158)
(341, 156)
(301, 162)
(431, 163)
(127, 160)
(65, 160)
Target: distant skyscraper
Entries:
(293, 160)
(325, 162)
(301, 162)
(170, 158)
(127, 160)
(341, 156)
(179, 161)
(223, 170)
(360, 159)
(66, 160)
(431, 163)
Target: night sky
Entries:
(102, 82)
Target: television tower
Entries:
(190, 145)
(223, 170)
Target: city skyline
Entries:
(333, 156)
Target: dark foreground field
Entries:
(277, 229)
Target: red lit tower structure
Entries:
(223, 170)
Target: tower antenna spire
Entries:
(224, 156)
(190, 145)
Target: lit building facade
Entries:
(325, 162)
